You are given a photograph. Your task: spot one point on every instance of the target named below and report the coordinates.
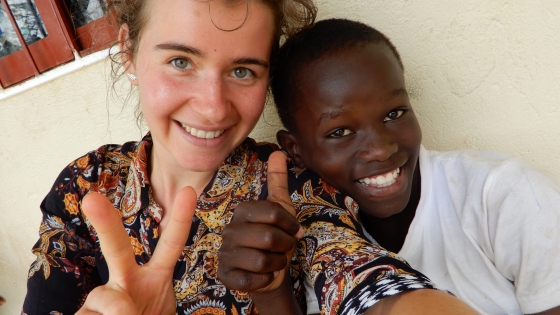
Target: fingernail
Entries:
(276, 273)
(300, 232)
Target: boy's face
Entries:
(356, 128)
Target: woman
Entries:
(201, 69)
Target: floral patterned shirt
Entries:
(349, 274)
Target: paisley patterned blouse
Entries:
(349, 274)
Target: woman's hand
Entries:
(134, 289)
(258, 244)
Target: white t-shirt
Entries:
(487, 228)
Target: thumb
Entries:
(105, 301)
(277, 179)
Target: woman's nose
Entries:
(213, 102)
(378, 147)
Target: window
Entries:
(38, 35)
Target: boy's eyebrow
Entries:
(331, 115)
(179, 47)
(397, 92)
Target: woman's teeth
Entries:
(384, 180)
(201, 133)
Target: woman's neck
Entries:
(167, 178)
(391, 232)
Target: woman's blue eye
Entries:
(242, 73)
(180, 63)
(394, 114)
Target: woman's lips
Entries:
(202, 134)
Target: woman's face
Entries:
(202, 89)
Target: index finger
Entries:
(174, 237)
(115, 242)
(277, 179)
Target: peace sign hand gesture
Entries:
(134, 289)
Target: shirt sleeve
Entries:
(523, 209)
(64, 271)
(349, 274)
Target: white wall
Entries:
(482, 74)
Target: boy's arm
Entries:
(421, 302)
(553, 311)
(351, 275)
(522, 207)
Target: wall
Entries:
(482, 75)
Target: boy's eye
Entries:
(394, 114)
(242, 73)
(181, 63)
(342, 132)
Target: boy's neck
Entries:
(391, 232)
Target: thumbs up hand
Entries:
(258, 244)
(134, 289)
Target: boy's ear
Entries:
(127, 56)
(289, 142)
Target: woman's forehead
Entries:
(210, 26)
(222, 15)
(225, 14)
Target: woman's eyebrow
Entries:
(251, 61)
(179, 47)
(198, 53)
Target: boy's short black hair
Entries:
(308, 45)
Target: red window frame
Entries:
(92, 37)
(57, 48)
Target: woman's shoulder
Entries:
(99, 169)
(111, 156)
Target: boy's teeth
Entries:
(201, 133)
(382, 180)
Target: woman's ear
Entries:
(127, 56)
(289, 143)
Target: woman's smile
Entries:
(202, 134)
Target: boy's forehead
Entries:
(338, 71)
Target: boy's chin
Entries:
(383, 210)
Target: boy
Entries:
(479, 224)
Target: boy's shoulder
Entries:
(467, 157)
(472, 163)
(472, 171)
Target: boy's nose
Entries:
(378, 148)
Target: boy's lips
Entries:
(202, 134)
(383, 180)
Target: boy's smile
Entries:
(355, 127)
